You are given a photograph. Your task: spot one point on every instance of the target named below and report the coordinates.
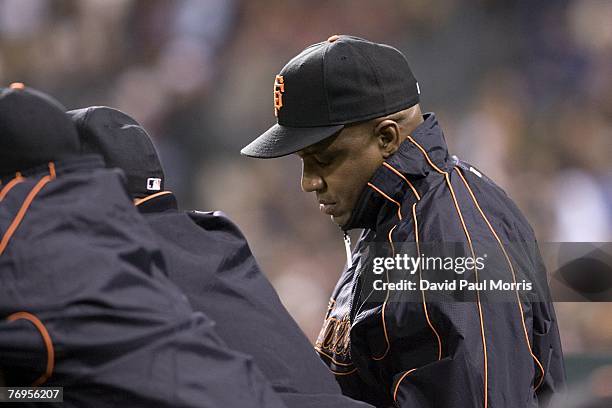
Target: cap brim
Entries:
(282, 140)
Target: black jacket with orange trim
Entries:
(85, 302)
(209, 259)
(430, 351)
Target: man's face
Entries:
(338, 168)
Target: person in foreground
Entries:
(84, 302)
(349, 109)
(209, 259)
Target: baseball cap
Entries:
(34, 130)
(123, 143)
(329, 85)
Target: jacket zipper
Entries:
(347, 246)
(355, 278)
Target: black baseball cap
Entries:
(329, 85)
(123, 143)
(34, 130)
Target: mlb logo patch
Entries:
(153, 184)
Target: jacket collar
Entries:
(372, 207)
(157, 203)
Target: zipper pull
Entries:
(347, 246)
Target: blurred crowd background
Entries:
(523, 90)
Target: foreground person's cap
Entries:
(331, 84)
(34, 130)
(124, 144)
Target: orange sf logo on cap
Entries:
(279, 88)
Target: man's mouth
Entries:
(327, 207)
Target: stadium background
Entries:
(523, 90)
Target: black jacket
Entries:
(427, 351)
(209, 259)
(84, 302)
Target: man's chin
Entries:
(340, 220)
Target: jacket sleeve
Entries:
(455, 350)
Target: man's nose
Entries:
(311, 182)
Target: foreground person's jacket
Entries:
(427, 352)
(84, 302)
(209, 259)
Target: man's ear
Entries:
(388, 134)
